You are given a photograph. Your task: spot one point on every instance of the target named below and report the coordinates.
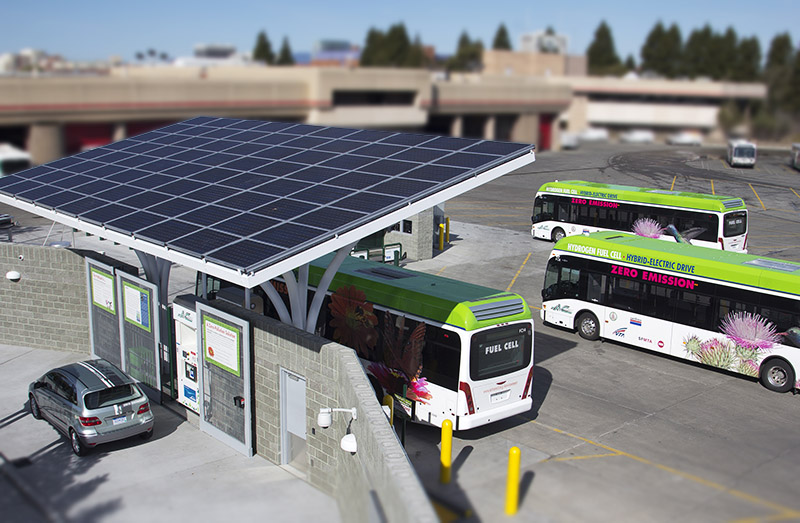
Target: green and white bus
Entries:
(444, 349)
(734, 311)
(578, 207)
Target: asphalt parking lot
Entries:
(615, 433)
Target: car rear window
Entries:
(112, 396)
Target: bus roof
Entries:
(688, 260)
(457, 303)
(627, 193)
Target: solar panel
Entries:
(248, 194)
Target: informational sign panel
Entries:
(139, 325)
(103, 321)
(225, 402)
(221, 345)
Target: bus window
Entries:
(694, 309)
(734, 224)
(441, 357)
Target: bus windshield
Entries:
(744, 152)
(500, 350)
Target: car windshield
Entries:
(112, 396)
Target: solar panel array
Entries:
(246, 193)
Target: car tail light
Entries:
(144, 407)
(464, 387)
(90, 422)
(528, 383)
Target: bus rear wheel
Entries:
(588, 326)
(777, 375)
(557, 234)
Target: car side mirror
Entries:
(38, 385)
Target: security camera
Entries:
(324, 418)
(349, 444)
(13, 276)
(21, 257)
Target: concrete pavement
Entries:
(181, 474)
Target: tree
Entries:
(723, 48)
(602, 55)
(501, 40)
(630, 63)
(748, 58)
(285, 55)
(793, 96)
(729, 116)
(697, 58)
(778, 69)
(662, 52)
(468, 55)
(651, 52)
(263, 49)
(391, 49)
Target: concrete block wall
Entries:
(378, 480)
(47, 308)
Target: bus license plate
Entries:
(119, 420)
(500, 396)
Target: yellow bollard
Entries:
(447, 452)
(441, 236)
(512, 485)
(388, 400)
(447, 227)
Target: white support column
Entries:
(322, 288)
(277, 302)
(298, 315)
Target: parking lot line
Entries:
(781, 512)
(712, 187)
(528, 257)
(757, 196)
(673, 183)
(795, 192)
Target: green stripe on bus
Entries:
(681, 258)
(626, 193)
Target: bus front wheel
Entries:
(588, 326)
(557, 234)
(777, 375)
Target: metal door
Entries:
(293, 421)
(223, 343)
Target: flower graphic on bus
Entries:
(747, 338)
(353, 320)
(648, 228)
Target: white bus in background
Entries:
(741, 153)
(12, 159)
(796, 156)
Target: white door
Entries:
(293, 421)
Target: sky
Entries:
(93, 30)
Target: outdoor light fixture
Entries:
(324, 420)
(325, 416)
(15, 276)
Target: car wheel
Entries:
(35, 411)
(557, 234)
(77, 445)
(588, 326)
(146, 435)
(777, 375)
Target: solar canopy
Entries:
(248, 200)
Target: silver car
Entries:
(91, 402)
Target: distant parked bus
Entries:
(729, 310)
(796, 155)
(577, 207)
(12, 159)
(741, 153)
